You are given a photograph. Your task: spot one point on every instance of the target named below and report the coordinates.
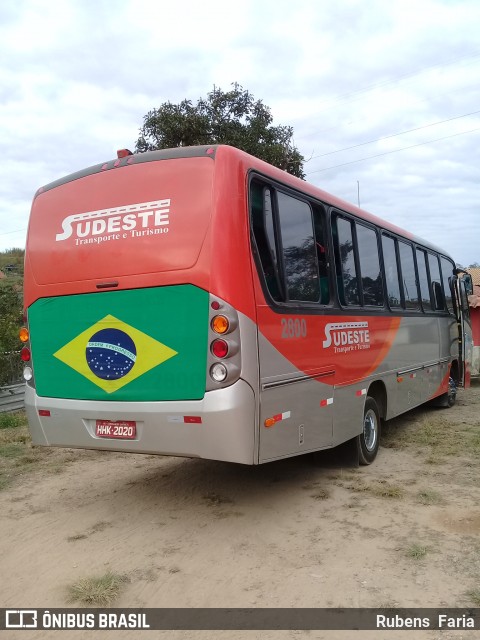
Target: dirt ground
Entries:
(403, 532)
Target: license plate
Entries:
(123, 429)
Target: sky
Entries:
(383, 96)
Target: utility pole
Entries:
(358, 193)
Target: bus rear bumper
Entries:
(221, 426)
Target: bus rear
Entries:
(138, 339)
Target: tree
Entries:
(233, 117)
(10, 322)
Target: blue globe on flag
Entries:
(111, 354)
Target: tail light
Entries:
(219, 348)
(220, 324)
(218, 372)
(224, 362)
(25, 352)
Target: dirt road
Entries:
(193, 533)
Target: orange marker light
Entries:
(123, 153)
(269, 422)
(23, 334)
(220, 324)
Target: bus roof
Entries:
(249, 162)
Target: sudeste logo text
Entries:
(133, 220)
(347, 336)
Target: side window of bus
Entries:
(322, 254)
(409, 280)
(370, 272)
(347, 282)
(438, 299)
(423, 280)
(391, 271)
(447, 273)
(264, 233)
(299, 250)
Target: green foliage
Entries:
(10, 321)
(12, 420)
(11, 263)
(232, 117)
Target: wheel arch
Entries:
(378, 392)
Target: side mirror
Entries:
(467, 278)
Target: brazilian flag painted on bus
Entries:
(135, 345)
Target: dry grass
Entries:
(320, 494)
(474, 595)
(18, 456)
(429, 496)
(99, 591)
(416, 551)
(436, 436)
(379, 489)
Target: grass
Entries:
(384, 489)
(438, 437)
(474, 595)
(320, 494)
(14, 444)
(416, 551)
(17, 454)
(380, 489)
(99, 591)
(12, 420)
(429, 496)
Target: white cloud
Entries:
(77, 77)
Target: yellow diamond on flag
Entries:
(112, 353)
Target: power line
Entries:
(6, 233)
(386, 153)
(394, 135)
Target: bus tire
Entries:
(369, 440)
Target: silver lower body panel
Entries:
(226, 431)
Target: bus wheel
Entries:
(369, 439)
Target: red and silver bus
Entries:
(199, 302)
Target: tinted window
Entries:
(345, 261)
(264, 233)
(371, 277)
(299, 251)
(391, 271)
(447, 272)
(423, 280)
(409, 281)
(436, 282)
(322, 254)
